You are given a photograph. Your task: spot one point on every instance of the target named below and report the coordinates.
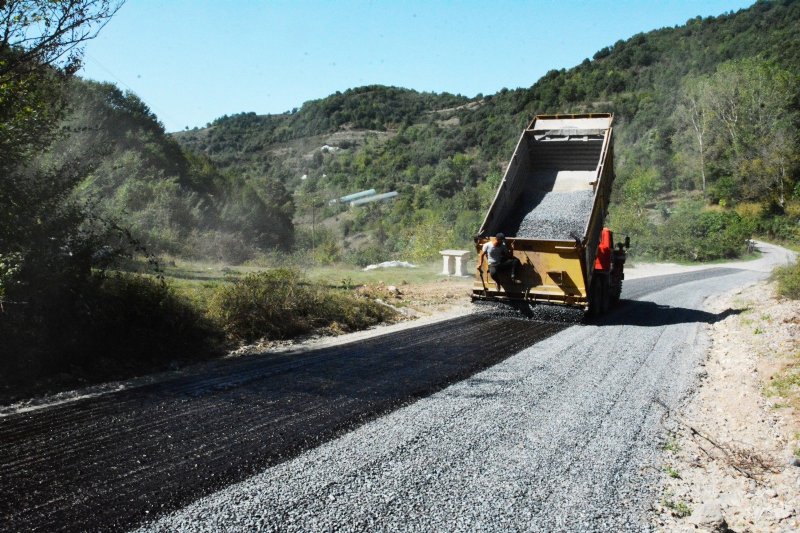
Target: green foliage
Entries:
(136, 318)
(672, 445)
(282, 303)
(678, 508)
(624, 219)
(786, 383)
(639, 187)
(690, 232)
(429, 234)
(59, 312)
(741, 120)
(788, 278)
(238, 141)
(38, 41)
(367, 255)
(443, 153)
(323, 245)
(107, 327)
(173, 201)
(698, 234)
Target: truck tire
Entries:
(616, 292)
(592, 303)
(599, 294)
(605, 292)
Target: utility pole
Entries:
(310, 198)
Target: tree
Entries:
(44, 33)
(39, 50)
(693, 111)
(640, 187)
(740, 120)
(750, 104)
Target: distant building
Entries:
(375, 198)
(356, 196)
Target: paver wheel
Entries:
(599, 295)
(616, 292)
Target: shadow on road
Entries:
(114, 461)
(651, 314)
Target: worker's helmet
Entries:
(500, 236)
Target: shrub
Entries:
(788, 278)
(780, 227)
(625, 220)
(692, 232)
(140, 319)
(219, 246)
(425, 237)
(752, 210)
(114, 327)
(282, 303)
(793, 209)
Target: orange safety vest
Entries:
(603, 260)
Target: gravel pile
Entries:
(566, 435)
(527, 311)
(551, 215)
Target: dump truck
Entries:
(551, 206)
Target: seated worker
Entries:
(500, 257)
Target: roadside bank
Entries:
(732, 455)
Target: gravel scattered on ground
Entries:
(551, 215)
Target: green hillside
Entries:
(173, 200)
(443, 153)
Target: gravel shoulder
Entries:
(732, 459)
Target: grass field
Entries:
(198, 280)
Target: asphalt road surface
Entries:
(478, 423)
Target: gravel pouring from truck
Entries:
(551, 205)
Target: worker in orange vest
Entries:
(601, 279)
(604, 249)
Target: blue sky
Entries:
(192, 61)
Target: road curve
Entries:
(470, 424)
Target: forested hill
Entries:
(638, 79)
(244, 141)
(171, 200)
(437, 149)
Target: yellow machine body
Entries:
(550, 271)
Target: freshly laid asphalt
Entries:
(478, 423)
(114, 461)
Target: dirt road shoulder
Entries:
(733, 453)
